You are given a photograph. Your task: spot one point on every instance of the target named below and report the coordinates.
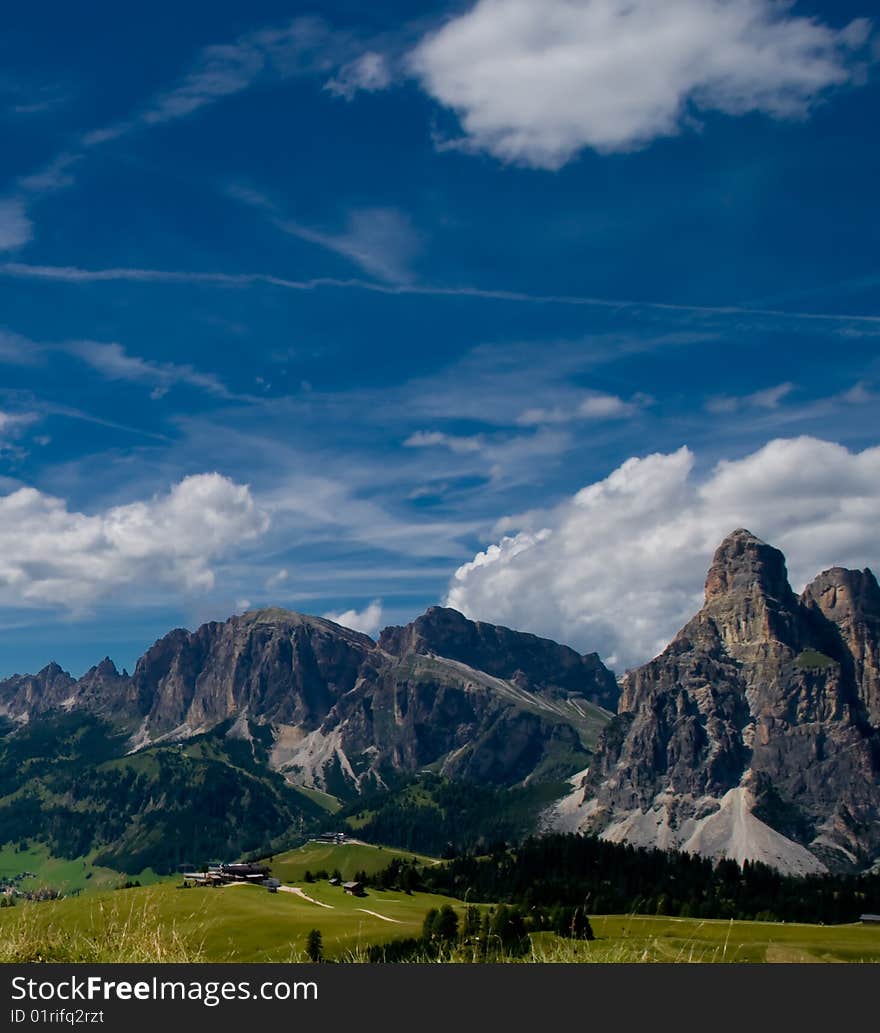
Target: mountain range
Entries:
(755, 734)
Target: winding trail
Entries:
(305, 896)
(384, 918)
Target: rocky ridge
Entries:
(343, 713)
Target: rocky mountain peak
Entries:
(756, 733)
(743, 564)
(52, 672)
(107, 669)
(843, 595)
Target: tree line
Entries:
(579, 871)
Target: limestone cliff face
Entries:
(752, 734)
(278, 666)
(850, 600)
(526, 660)
(339, 712)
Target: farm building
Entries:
(331, 837)
(243, 871)
(870, 919)
(356, 889)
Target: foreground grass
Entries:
(246, 924)
(233, 924)
(116, 931)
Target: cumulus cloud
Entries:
(368, 620)
(534, 83)
(619, 567)
(16, 228)
(53, 556)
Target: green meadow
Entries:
(661, 939)
(61, 874)
(245, 923)
(348, 858)
(236, 923)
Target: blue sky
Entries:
(314, 306)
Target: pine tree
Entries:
(315, 945)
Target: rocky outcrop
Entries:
(24, 696)
(752, 735)
(850, 601)
(528, 661)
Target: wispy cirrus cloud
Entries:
(368, 73)
(306, 45)
(454, 442)
(381, 241)
(594, 406)
(859, 322)
(16, 228)
(113, 362)
(766, 398)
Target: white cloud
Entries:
(54, 176)
(368, 73)
(278, 578)
(112, 361)
(368, 620)
(382, 241)
(16, 228)
(303, 46)
(55, 557)
(12, 422)
(860, 394)
(594, 406)
(436, 438)
(768, 398)
(620, 566)
(534, 83)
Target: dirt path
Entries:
(305, 896)
(384, 918)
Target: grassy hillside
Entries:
(62, 874)
(236, 923)
(348, 858)
(67, 783)
(247, 924)
(432, 815)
